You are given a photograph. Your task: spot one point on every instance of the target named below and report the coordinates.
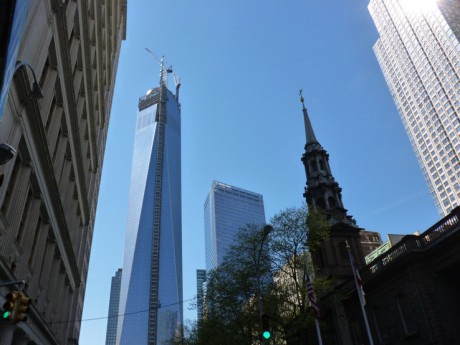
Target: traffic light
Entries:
(266, 334)
(22, 307)
(10, 305)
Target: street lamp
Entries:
(36, 90)
(264, 317)
(7, 152)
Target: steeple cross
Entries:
(301, 98)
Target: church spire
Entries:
(321, 191)
(309, 133)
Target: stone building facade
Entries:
(50, 188)
(412, 290)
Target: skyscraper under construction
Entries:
(151, 287)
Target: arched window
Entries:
(314, 166)
(331, 202)
(321, 165)
(320, 203)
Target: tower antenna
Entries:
(163, 71)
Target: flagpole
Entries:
(307, 278)
(360, 294)
(318, 332)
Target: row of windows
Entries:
(440, 77)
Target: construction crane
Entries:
(164, 72)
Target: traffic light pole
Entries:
(266, 230)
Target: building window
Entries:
(321, 164)
(314, 166)
(321, 203)
(331, 202)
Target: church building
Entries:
(412, 291)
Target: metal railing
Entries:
(412, 243)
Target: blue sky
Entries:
(242, 64)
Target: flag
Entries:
(358, 281)
(312, 297)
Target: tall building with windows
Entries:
(419, 53)
(56, 117)
(151, 286)
(226, 210)
(114, 303)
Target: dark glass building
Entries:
(114, 303)
(151, 288)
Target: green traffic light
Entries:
(266, 335)
(6, 314)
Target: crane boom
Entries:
(164, 72)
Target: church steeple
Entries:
(321, 191)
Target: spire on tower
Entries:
(309, 133)
(322, 190)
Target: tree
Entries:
(318, 227)
(290, 259)
(231, 294)
(233, 315)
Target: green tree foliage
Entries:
(291, 260)
(231, 295)
(318, 227)
(233, 311)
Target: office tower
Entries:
(114, 303)
(226, 210)
(151, 288)
(200, 287)
(56, 118)
(419, 54)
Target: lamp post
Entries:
(7, 152)
(36, 91)
(266, 230)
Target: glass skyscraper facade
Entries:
(226, 210)
(151, 288)
(114, 303)
(419, 53)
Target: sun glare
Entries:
(418, 5)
